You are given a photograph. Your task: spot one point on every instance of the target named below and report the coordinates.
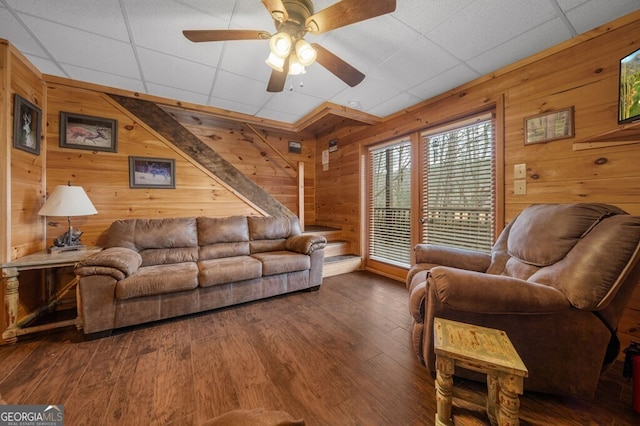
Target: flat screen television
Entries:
(629, 94)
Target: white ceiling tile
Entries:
(177, 94)
(105, 79)
(249, 14)
(162, 29)
(370, 93)
(277, 115)
(546, 35)
(235, 87)
(246, 57)
(105, 17)
(175, 72)
(366, 44)
(395, 104)
(317, 82)
(424, 48)
(232, 105)
(47, 66)
(484, 25)
(566, 5)
(423, 15)
(415, 63)
(12, 30)
(77, 47)
(292, 102)
(446, 81)
(596, 12)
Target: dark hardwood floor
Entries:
(338, 356)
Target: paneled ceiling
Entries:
(424, 48)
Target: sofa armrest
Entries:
(453, 257)
(497, 294)
(305, 244)
(119, 262)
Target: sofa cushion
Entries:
(215, 251)
(280, 262)
(227, 270)
(543, 234)
(213, 230)
(593, 271)
(260, 246)
(158, 279)
(164, 256)
(166, 233)
(271, 227)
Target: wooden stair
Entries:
(338, 258)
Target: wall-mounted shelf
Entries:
(624, 135)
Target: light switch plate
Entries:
(519, 187)
(520, 171)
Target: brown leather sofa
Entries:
(153, 269)
(557, 281)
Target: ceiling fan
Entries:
(293, 19)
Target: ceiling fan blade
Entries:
(276, 9)
(278, 78)
(225, 35)
(347, 12)
(340, 68)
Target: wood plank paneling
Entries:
(263, 157)
(105, 175)
(582, 73)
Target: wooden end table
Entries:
(487, 351)
(41, 260)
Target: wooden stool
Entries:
(487, 351)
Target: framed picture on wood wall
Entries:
(87, 132)
(548, 127)
(26, 125)
(145, 172)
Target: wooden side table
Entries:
(42, 260)
(487, 351)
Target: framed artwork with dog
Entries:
(145, 172)
(26, 125)
(87, 132)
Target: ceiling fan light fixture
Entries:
(275, 62)
(305, 52)
(280, 44)
(295, 67)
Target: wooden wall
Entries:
(105, 175)
(22, 172)
(262, 154)
(582, 73)
(23, 176)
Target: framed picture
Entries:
(86, 132)
(145, 172)
(550, 126)
(26, 125)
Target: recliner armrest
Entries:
(305, 244)
(453, 257)
(119, 262)
(496, 294)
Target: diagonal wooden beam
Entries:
(170, 129)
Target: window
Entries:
(390, 203)
(459, 185)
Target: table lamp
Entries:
(67, 200)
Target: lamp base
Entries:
(56, 249)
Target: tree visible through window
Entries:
(390, 204)
(459, 187)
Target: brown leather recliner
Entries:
(557, 281)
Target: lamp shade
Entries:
(67, 200)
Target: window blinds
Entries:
(390, 203)
(459, 186)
